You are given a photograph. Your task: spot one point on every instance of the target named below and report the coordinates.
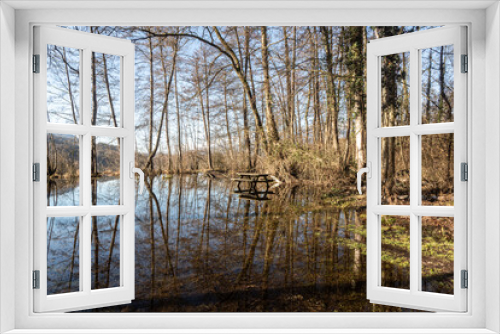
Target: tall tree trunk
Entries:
(288, 79)
(207, 108)
(428, 113)
(245, 59)
(246, 126)
(390, 66)
(316, 90)
(356, 65)
(272, 130)
(332, 112)
(168, 85)
(441, 86)
(178, 110)
(228, 131)
(293, 118)
(205, 111)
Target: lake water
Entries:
(201, 248)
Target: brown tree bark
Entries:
(331, 101)
(245, 59)
(272, 130)
(390, 64)
(355, 65)
(288, 117)
(228, 131)
(178, 111)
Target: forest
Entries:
(290, 101)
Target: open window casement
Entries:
(83, 132)
(401, 258)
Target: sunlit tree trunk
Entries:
(318, 136)
(294, 107)
(355, 65)
(246, 127)
(205, 111)
(167, 82)
(288, 117)
(332, 111)
(178, 110)
(272, 130)
(428, 113)
(228, 131)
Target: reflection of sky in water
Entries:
(62, 254)
(204, 248)
(63, 193)
(68, 193)
(208, 240)
(108, 191)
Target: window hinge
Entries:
(464, 171)
(36, 172)
(465, 64)
(36, 279)
(36, 63)
(465, 279)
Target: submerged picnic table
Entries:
(252, 179)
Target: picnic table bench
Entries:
(252, 179)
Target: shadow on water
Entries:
(201, 248)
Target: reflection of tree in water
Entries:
(62, 254)
(201, 248)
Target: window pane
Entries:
(63, 254)
(63, 170)
(437, 84)
(395, 251)
(395, 178)
(63, 85)
(105, 252)
(437, 169)
(105, 171)
(105, 89)
(437, 254)
(395, 99)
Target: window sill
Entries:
(250, 331)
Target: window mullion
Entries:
(414, 171)
(86, 193)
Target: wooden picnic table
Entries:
(252, 179)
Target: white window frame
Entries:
(483, 102)
(413, 43)
(87, 43)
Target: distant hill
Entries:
(65, 149)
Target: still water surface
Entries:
(201, 248)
